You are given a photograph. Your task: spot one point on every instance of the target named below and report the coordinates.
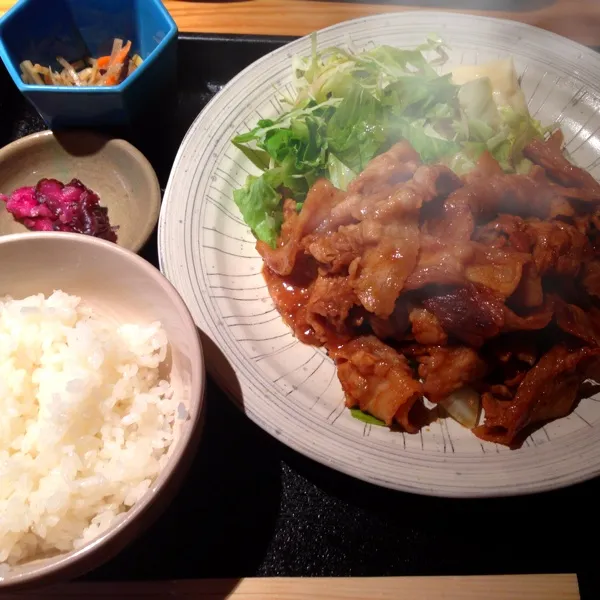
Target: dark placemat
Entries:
(252, 507)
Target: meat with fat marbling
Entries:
(548, 155)
(319, 201)
(378, 380)
(447, 270)
(496, 269)
(328, 307)
(426, 328)
(471, 314)
(590, 278)
(483, 199)
(580, 323)
(558, 248)
(396, 165)
(445, 370)
(384, 268)
(547, 392)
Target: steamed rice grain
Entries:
(85, 422)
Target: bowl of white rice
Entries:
(101, 397)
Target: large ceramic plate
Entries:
(290, 389)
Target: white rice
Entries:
(85, 422)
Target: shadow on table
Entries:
(221, 523)
(491, 5)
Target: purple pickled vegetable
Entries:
(23, 203)
(48, 189)
(53, 206)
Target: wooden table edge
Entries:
(575, 19)
(493, 587)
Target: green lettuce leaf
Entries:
(422, 136)
(259, 158)
(365, 417)
(339, 173)
(355, 131)
(260, 205)
(418, 96)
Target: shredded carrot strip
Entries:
(103, 62)
(117, 64)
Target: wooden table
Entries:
(576, 19)
(513, 587)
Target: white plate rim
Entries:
(543, 484)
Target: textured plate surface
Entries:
(290, 389)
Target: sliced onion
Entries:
(116, 48)
(28, 68)
(463, 406)
(56, 80)
(85, 74)
(69, 70)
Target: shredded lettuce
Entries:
(350, 107)
(502, 131)
(476, 99)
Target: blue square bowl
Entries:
(41, 30)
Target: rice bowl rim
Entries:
(187, 442)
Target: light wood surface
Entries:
(576, 19)
(502, 587)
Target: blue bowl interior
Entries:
(41, 30)
(99, 22)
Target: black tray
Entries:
(253, 507)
